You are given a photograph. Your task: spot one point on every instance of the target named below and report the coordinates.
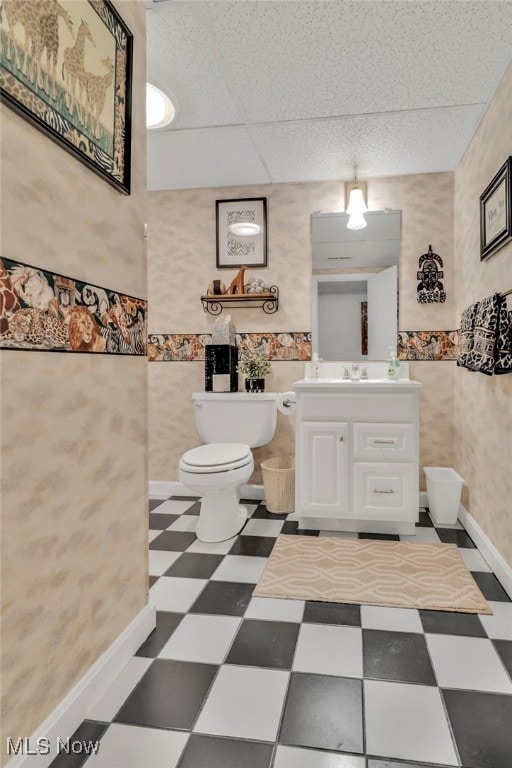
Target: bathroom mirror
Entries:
(355, 285)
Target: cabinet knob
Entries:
(342, 438)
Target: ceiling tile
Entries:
(181, 62)
(320, 86)
(393, 144)
(292, 60)
(203, 158)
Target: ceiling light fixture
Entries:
(357, 204)
(245, 228)
(160, 110)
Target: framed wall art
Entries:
(66, 65)
(496, 212)
(364, 327)
(241, 232)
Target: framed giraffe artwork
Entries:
(66, 65)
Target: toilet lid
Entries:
(217, 454)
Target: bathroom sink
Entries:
(331, 375)
(377, 383)
(352, 381)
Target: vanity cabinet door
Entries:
(322, 469)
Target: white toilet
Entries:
(230, 423)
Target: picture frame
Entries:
(67, 68)
(496, 212)
(237, 250)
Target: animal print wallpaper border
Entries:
(45, 312)
(190, 347)
(428, 345)
(296, 346)
(82, 96)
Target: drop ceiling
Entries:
(270, 91)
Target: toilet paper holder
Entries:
(286, 403)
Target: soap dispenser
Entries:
(315, 366)
(393, 365)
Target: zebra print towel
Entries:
(482, 357)
(467, 334)
(504, 339)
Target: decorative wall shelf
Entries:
(269, 301)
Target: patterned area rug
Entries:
(392, 573)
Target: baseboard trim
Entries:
(74, 708)
(495, 561)
(255, 492)
(501, 569)
(162, 489)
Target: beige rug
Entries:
(393, 573)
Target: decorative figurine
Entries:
(217, 288)
(430, 288)
(258, 285)
(237, 283)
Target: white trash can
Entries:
(444, 487)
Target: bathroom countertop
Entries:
(344, 384)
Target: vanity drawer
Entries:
(384, 490)
(391, 406)
(384, 442)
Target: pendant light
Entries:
(356, 205)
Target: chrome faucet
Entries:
(355, 372)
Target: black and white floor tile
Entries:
(227, 680)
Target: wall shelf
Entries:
(268, 301)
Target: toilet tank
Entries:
(235, 417)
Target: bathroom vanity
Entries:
(356, 454)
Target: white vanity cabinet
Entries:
(357, 455)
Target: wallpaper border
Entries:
(43, 311)
(428, 345)
(295, 345)
(190, 347)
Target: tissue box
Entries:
(220, 374)
(223, 331)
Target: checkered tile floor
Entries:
(227, 680)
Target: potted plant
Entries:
(254, 367)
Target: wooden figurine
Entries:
(237, 283)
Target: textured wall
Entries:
(74, 448)
(181, 263)
(483, 404)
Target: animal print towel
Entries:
(482, 357)
(466, 334)
(503, 362)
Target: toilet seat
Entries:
(216, 457)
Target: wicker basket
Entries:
(279, 483)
